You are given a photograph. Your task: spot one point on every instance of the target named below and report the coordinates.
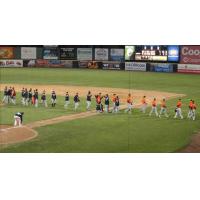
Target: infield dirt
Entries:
(83, 90)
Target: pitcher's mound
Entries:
(12, 135)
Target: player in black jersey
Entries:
(67, 102)
(88, 100)
(36, 97)
(53, 98)
(107, 102)
(44, 99)
(76, 101)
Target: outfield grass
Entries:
(107, 133)
(180, 83)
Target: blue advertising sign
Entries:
(162, 67)
(173, 53)
(117, 54)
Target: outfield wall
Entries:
(156, 58)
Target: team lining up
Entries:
(31, 97)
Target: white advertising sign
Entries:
(135, 66)
(101, 54)
(84, 53)
(11, 63)
(185, 68)
(28, 53)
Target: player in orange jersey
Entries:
(178, 112)
(194, 107)
(129, 103)
(144, 104)
(163, 108)
(154, 108)
(190, 109)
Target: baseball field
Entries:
(64, 130)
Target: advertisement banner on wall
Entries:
(111, 65)
(190, 55)
(66, 63)
(28, 53)
(41, 63)
(93, 65)
(129, 53)
(173, 53)
(29, 63)
(117, 54)
(83, 64)
(161, 67)
(48, 63)
(67, 53)
(54, 63)
(6, 52)
(84, 54)
(11, 63)
(101, 54)
(135, 66)
(50, 53)
(194, 69)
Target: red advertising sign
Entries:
(41, 63)
(190, 54)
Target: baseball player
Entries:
(53, 98)
(194, 107)
(163, 108)
(99, 106)
(117, 104)
(22, 95)
(44, 99)
(26, 97)
(36, 97)
(178, 112)
(30, 95)
(76, 101)
(67, 102)
(5, 98)
(18, 118)
(107, 102)
(129, 104)
(88, 100)
(144, 104)
(33, 98)
(13, 96)
(190, 109)
(9, 93)
(114, 100)
(154, 108)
